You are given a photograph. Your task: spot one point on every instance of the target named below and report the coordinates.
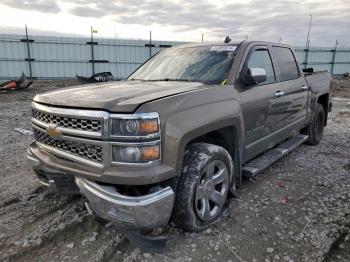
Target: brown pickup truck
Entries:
(173, 141)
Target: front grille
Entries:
(85, 151)
(89, 125)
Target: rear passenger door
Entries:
(294, 87)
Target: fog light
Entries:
(135, 154)
(126, 154)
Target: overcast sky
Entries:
(183, 20)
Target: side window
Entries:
(260, 58)
(286, 63)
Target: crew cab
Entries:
(174, 139)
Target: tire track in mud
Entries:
(73, 242)
(10, 202)
(45, 221)
(32, 207)
(27, 221)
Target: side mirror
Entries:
(254, 76)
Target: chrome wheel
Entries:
(212, 190)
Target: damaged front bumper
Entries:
(147, 211)
(143, 212)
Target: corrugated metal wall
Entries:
(335, 61)
(64, 57)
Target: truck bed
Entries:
(319, 81)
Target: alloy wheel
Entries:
(212, 190)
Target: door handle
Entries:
(279, 93)
(305, 87)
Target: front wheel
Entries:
(203, 187)
(315, 128)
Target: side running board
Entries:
(256, 165)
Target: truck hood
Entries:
(123, 96)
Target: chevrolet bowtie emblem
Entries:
(51, 131)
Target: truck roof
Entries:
(213, 43)
(217, 43)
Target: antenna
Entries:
(116, 52)
(308, 34)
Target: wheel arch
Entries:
(227, 134)
(228, 138)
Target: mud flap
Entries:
(152, 244)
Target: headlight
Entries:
(141, 139)
(139, 125)
(135, 153)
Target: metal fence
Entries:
(47, 57)
(334, 60)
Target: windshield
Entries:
(209, 65)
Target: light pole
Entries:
(92, 49)
(28, 50)
(150, 43)
(334, 54)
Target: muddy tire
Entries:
(203, 187)
(315, 128)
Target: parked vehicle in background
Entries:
(174, 140)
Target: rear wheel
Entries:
(315, 128)
(203, 187)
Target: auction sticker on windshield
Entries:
(221, 48)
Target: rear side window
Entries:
(286, 63)
(260, 58)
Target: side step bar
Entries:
(256, 165)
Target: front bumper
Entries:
(142, 212)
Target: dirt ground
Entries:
(341, 88)
(296, 210)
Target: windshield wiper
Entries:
(172, 79)
(162, 79)
(135, 79)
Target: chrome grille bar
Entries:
(90, 125)
(85, 123)
(89, 152)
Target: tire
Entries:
(207, 176)
(315, 128)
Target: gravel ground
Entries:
(296, 210)
(341, 87)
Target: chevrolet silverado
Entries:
(174, 139)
